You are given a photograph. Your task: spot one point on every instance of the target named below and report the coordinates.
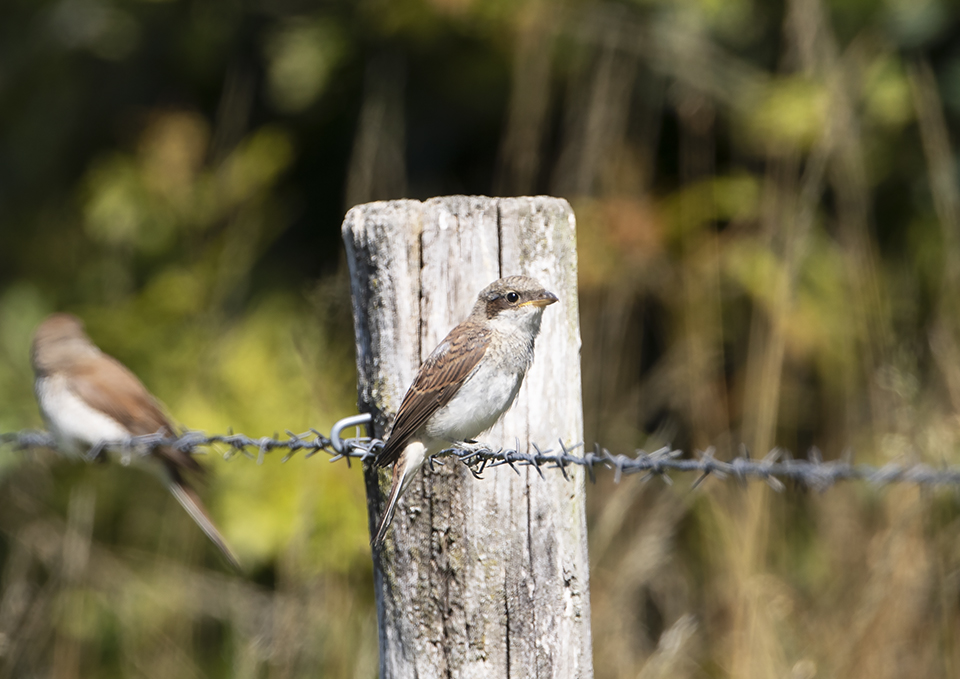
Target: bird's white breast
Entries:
(76, 425)
(479, 403)
(493, 385)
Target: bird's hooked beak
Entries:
(545, 299)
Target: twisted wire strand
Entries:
(774, 468)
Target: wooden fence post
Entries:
(478, 578)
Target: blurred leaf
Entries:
(755, 268)
(820, 326)
(615, 237)
(721, 198)
(22, 307)
(171, 152)
(106, 30)
(915, 22)
(175, 292)
(790, 114)
(119, 209)
(254, 166)
(80, 613)
(301, 55)
(887, 93)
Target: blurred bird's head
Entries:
(58, 342)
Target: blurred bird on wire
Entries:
(91, 401)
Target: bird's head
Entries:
(516, 301)
(59, 340)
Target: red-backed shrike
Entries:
(88, 398)
(467, 383)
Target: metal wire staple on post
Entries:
(475, 579)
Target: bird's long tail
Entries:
(404, 471)
(190, 501)
(396, 489)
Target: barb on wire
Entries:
(774, 468)
(312, 442)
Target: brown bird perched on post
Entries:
(88, 399)
(467, 383)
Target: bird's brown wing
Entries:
(108, 386)
(440, 377)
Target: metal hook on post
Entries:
(346, 423)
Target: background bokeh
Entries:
(769, 234)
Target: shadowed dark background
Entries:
(769, 218)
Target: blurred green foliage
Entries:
(769, 224)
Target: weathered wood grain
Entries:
(478, 578)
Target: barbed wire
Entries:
(774, 468)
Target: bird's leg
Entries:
(471, 446)
(467, 449)
(97, 453)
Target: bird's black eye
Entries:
(513, 297)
